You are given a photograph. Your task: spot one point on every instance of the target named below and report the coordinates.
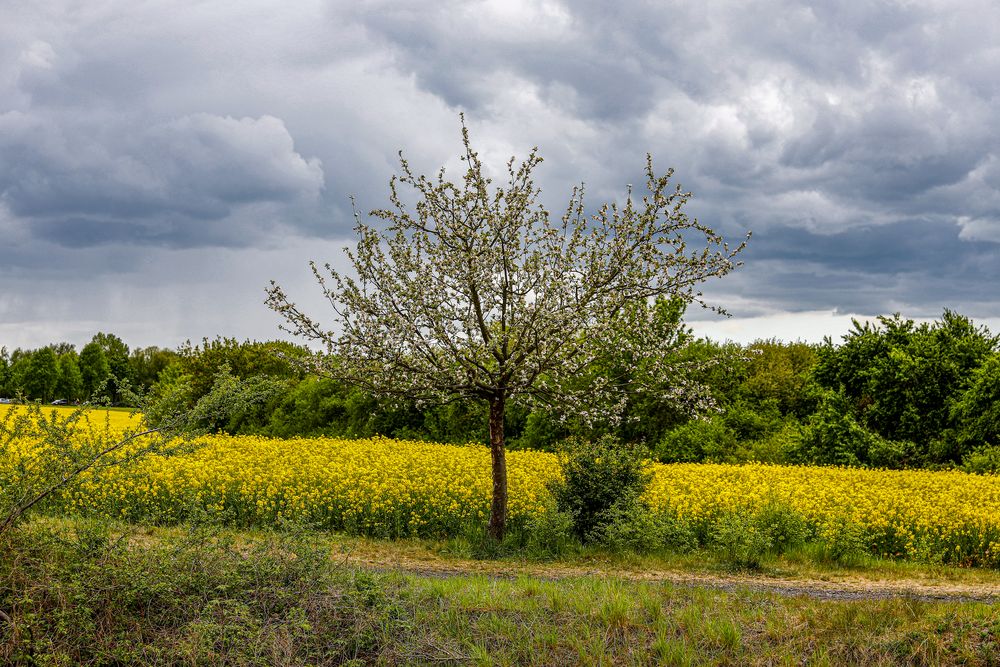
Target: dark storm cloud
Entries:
(896, 247)
(96, 182)
(919, 266)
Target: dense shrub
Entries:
(833, 437)
(740, 540)
(977, 411)
(696, 441)
(901, 380)
(631, 526)
(600, 479)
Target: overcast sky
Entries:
(160, 161)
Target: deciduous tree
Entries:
(477, 292)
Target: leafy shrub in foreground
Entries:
(550, 533)
(597, 476)
(983, 460)
(784, 527)
(740, 539)
(632, 526)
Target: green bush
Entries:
(597, 475)
(631, 526)
(780, 446)
(696, 441)
(752, 422)
(784, 527)
(745, 540)
(550, 533)
(740, 540)
(844, 543)
(833, 437)
(978, 410)
(982, 461)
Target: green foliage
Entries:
(70, 383)
(5, 384)
(781, 373)
(119, 373)
(936, 384)
(232, 405)
(276, 359)
(779, 446)
(696, 441)
(843, 543)
(597, 476)
(901, 381)
(983, 460)
(540, 430)
(783, 527)
(237, 405)
(745, 540)
(549, 534)
(147, 364)
(833, 437)
(977, 411)
(741, 540)
(94, 369)
(631, 526)
(237, 386)
(41, 375)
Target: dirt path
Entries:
(832, 588)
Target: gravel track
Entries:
(833, 589)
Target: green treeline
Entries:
(891, 394)
(103, 369)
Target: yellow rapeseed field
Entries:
(376, 486)
(116, 419)
(391, 488)
(932, 515)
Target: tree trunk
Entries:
(498, 511)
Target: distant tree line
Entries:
(891, 394)
(101, 370)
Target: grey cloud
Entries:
(869, 115)
(103, 180)
(919, 265)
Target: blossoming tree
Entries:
(476, 291)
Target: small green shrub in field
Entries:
(740, 539)
(632, 526)
(628, 526)
(844, 543)
(597, 476)
(696, 441)
(784, 527)
(550, 533)
(780, 446)
(746, 540)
